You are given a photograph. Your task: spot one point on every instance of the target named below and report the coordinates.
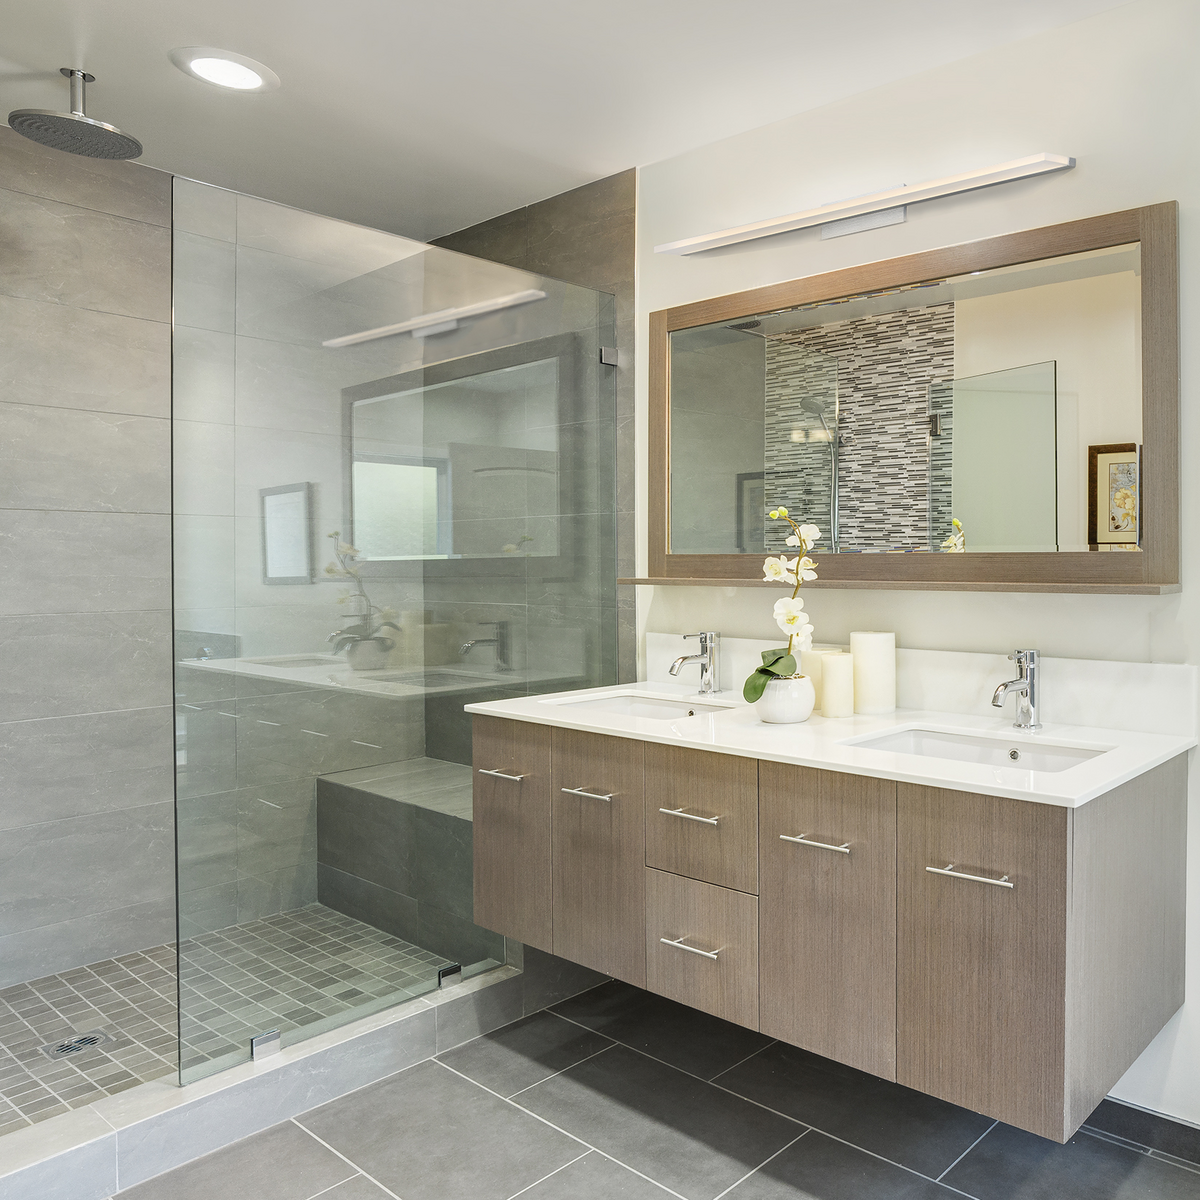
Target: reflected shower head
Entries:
(815, 407)
(74, 132)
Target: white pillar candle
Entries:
(837, 685)
(810, 665)
(874, 672)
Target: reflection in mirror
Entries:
(477, 457)
(886, 416)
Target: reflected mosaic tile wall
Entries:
(878, 368)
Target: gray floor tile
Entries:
(1147, 1129)
(524, 1053)
(908, 1127)
(358, 1188)
(679, 1130)
(1010, 1164)
(820, 1168)
(427, 1133)
(595, 1177)
(684, 1037)
(281, 1163)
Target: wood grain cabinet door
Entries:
(827, 914)
(702, 946)
(702, 815)
(981, 965)
(512, 829)
(599, 853)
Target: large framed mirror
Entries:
(1000, 415)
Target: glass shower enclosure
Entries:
(393, 495)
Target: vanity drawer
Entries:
(512, 829)
(702, 816)
(702, 946)
(599, 853)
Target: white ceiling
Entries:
(422, 118)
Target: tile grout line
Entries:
(325, 1191)
(1114, 1139)
(966, 1151)
(550, 1175)
(295, 1121)
(760, 1050)
(537, 1117)
(556, 1074)
(762, 1164)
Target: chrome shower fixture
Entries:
(74, 132)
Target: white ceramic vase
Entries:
(786, 700)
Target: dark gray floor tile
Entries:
(1147, 1129)
(679, 1130)
(908, 1127)
(524, 1053)
(684, 1037)
(1010, 1164)
(820, 1168)
(427, 1133)
(595, 1177)
(281, 1163)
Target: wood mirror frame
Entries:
(1153, 570)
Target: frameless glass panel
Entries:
(832, 409)
(371, 530)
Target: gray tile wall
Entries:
(86, 865)
(585, 236)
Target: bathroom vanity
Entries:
(1005, 934)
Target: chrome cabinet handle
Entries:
(804, 840)
(679, 944)
(678, 812)
(501, 775)
(588, 795)
(949, 870)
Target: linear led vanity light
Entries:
(437, 322)
(1021, 168)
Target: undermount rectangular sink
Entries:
(430, 679)
(647, 707)
(977, 748)
(297, 661)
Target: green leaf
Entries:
(756, 684)
(771, 657)
(785, 666)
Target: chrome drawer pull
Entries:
(501, 775)
(804, 840)
(589, 795)
(687, 816)
(949, 870)
(678, 942)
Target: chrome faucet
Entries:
(1026, 688)
(710, 681)
(502, 641)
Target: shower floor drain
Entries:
(79, 1044)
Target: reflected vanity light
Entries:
(1020, 168)
(437, 322)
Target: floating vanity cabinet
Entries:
(702, 946)
(827, 910)
(513, 886)
(599, 853)
(702, 815)
(1039, 948)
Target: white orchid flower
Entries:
(810, 534)
(792, 540)
(804, 568)
(779, 570)
(793, 620)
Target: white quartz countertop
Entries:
(827, 742)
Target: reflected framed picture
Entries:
(751, 512)
(1114, 496)
(287, 534)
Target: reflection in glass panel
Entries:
(845, 395)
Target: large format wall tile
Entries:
(99, 662)
(69, 255)
(202, 375)
(67, 458)
(47, 949)
(64, 870)
(79, 358)
(204, 288)
(61, 767)
(67, 562)
(123, 189)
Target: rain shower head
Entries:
(74, 132)
(816, 407)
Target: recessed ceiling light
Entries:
(224, 69)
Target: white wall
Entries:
(1120, 92)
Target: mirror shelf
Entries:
(976, 381)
